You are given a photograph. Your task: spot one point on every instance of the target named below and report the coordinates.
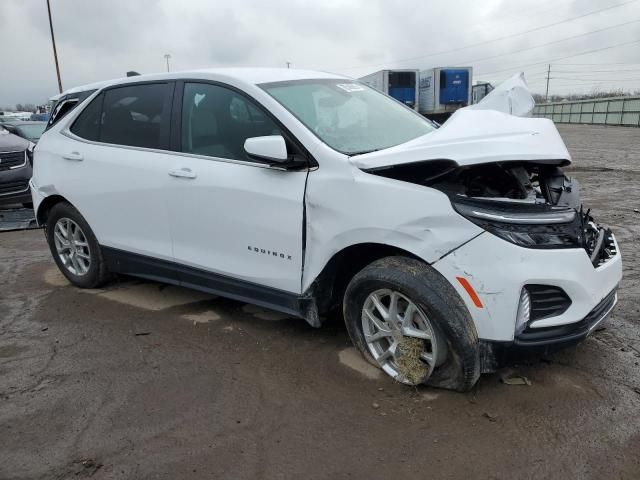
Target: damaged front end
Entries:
(530, 204)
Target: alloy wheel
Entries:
(72, 246)
(400, 336)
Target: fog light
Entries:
(524, 311)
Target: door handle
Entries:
(75, 156)
(183, 172)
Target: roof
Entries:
(248, 75)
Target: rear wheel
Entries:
(74, 247)
(408, 320)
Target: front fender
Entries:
(343, 210)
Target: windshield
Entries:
(348, 116)
(32, 131)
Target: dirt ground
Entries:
(142, 380)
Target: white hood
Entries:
(511, 96)
(472, 137)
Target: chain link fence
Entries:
(603, 111)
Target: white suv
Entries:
(306, 192)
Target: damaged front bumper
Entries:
(578, 294)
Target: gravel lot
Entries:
(142, 380)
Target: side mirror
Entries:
(271, 148)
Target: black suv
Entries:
(16, 157)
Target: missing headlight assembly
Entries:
(531, 204)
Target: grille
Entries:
(12, 159)
(13, 187)
(547, 301)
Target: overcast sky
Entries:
(100, 39)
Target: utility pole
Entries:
(288, 64)
(55, 52)
(546, 96)
(167, 57)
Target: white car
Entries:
(305, 192)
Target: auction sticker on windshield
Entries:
(350, 87)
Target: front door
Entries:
(230, 215)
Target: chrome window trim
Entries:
(68, 133)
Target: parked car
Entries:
(39, 117)
(16, 156)
(8, 119)
(28, 130)
(310, 192)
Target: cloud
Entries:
(98, 40)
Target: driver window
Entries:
(216, 121)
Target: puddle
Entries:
(153, 296)
(352, 359)
(204, 317)
(430, 397)
(53, 277)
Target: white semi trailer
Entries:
(444, 90)
(399, 84)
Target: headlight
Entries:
(531, 226)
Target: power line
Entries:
(551, 43)
(492, 40)
(587, 52)
(598, 71)
(597, 64)
(611, 80)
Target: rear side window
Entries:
(65, 105)
(87, 125)
(137, 115)
(216, 121)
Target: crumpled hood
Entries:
(11, 143)
(472, 137)
(511, 96)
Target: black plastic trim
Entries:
(547, 301)
(121, 261)
(569, 333)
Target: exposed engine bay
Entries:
(531, 204)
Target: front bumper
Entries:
(498, 270)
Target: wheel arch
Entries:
(46, 205)
(329, 286)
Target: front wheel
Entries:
(74, 247)
(405, 318)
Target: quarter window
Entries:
(216, 121)
(87, 125)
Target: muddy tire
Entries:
(451, 337)
(74, 247)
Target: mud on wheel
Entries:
(405, 318)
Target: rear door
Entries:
(230, 215)
(115, 172)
